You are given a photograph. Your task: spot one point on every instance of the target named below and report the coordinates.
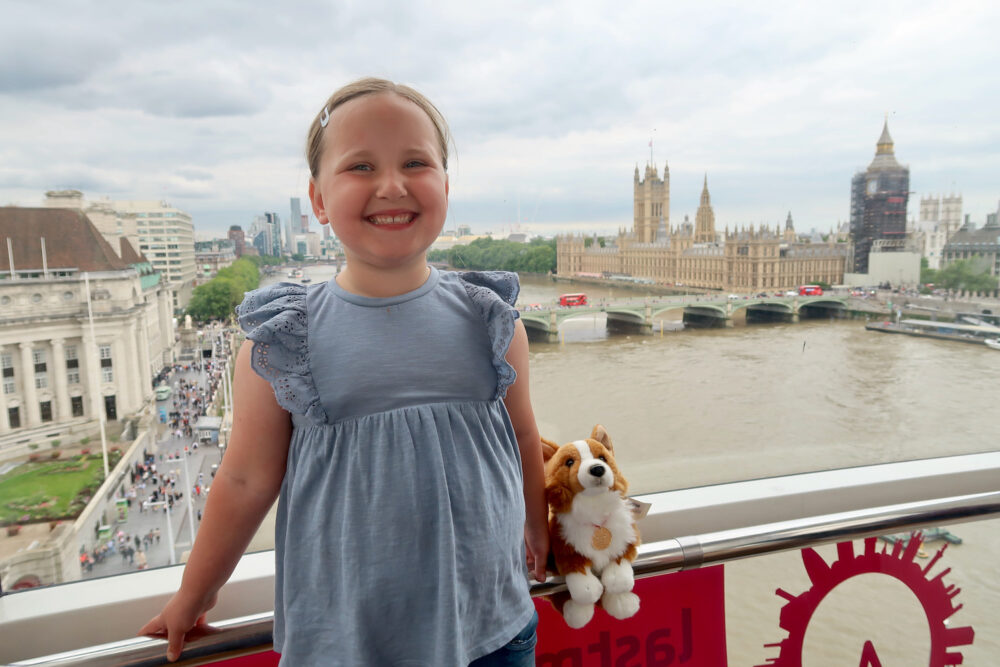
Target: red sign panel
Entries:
(681, 621)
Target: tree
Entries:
(927, 274)
(970, 275)
(218, 298)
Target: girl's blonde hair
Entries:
(372, 86)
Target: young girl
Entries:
(390, 409)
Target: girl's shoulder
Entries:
(265, 303)
(487, 286)
(275, 319)
(494, 294)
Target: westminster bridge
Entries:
(639, 316)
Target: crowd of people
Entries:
(152, 484)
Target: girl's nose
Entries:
(391, 185)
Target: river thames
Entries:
(708, 406)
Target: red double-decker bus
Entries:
(577, 299)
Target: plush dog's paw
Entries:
(584, 588)
(576, 614)
(618, 577)
(620, 605)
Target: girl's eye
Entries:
(569, 463)
(416, 163)
(361, 167)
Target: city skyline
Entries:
(551, 107)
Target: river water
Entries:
(705, 406)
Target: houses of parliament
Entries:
(694, 255)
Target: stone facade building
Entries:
(164, 234)
(939, 219)
(982, 245)
(695, 255)
(61, 368)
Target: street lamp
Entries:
(187, 494)
(170, 530)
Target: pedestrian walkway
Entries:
(180, 465)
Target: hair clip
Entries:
(325, 118)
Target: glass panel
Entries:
(873, 613)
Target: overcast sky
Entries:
(552, 104)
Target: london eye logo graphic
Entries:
(936, 598)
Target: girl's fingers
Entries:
(153, 629)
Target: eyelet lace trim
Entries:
(495, 293)
(275, 320)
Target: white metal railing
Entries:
(715, 524)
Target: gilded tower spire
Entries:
(884, 145)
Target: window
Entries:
(76, 405)
(7, 363)
(72, 365)
(38, 358)
(14, 416)
(45, 410)
(107, 370)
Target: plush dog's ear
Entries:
(549, 449)
(601, 435)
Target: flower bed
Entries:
(46, 491)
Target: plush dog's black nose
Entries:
(597, 470)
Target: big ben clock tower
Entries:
(878, 201)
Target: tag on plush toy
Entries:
(639, 508)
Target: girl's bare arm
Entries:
(518, 402)
(245, 486)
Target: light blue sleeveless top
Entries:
(400, 525)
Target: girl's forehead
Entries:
(379, 108)
(378, 119)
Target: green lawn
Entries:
(46, 489)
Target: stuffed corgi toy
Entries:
(592, 532)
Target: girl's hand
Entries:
(181, 620)
(537, 544)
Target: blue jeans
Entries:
(519, 652)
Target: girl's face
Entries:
(381, 182)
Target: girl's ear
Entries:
(601, 435)
(316, 199)
(548, 449)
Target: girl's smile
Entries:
(392, 219)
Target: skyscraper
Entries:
(235, 235)
(878, 201)
(294, 219)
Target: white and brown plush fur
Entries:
(586, 496)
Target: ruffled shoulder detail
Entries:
(275, 319)
(495, 293)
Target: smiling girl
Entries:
(388, 409)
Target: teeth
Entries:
(390, 219)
